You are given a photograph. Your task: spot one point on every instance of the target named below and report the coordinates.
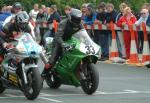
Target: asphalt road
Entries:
(118, 84)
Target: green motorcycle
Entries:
(77, 64)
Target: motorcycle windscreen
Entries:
(27, 45)
(87, 46)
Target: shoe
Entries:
(104, 59)
(123, 57)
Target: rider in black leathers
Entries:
(66, 29)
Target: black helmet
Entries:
(22, 19)
(75, 16)
(17, 5)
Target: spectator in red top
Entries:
(127, 19)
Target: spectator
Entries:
(54, 16)
(89, 19)
(110, 17)
(145, 17)
(100, 36)
(4, 8)
(67, 10)
(90, 16)
(33, 13)
(48, 12)
(84, 10)
(43, 7)
(40, 15)
(127, 19)
(42, 19)
(111, 14)
(8, 10)
(146, 6)
(3, 16)
(120, 41)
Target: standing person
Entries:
(110, 17)
(89, 19)
(8, 23)
(3, 17)
(127, 19)
(145, 17)
(38, 25)
(33, 13)
(67, 10)
(84, 10)
(42, 19)
(19, 17)
(54, 16)
(100, 36)
(16, 8)
(43, 7)
(146, 6)
(120, 40)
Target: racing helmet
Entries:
(17, 5)
(75, 16)
(22, 19)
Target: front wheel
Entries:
(32, 89)
(52, 80)
(90, 78)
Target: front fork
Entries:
(83, 70)
(24, 73)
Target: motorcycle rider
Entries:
(18, 23)
(66, 29)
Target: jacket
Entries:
(65, 31)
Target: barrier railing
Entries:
(104, 27)
(96, 26)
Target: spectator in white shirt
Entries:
(33, 13)
(143, 17)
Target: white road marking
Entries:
(124, 92)
(45, 96)
(49, 99)
(11, 96)
(41, 97)
(132, 91)
(101, 92)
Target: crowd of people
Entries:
(103, 14)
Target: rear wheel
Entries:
(32, 89)
(52, 80)
(90, 78)
(2, 88)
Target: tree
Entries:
(28, 4)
